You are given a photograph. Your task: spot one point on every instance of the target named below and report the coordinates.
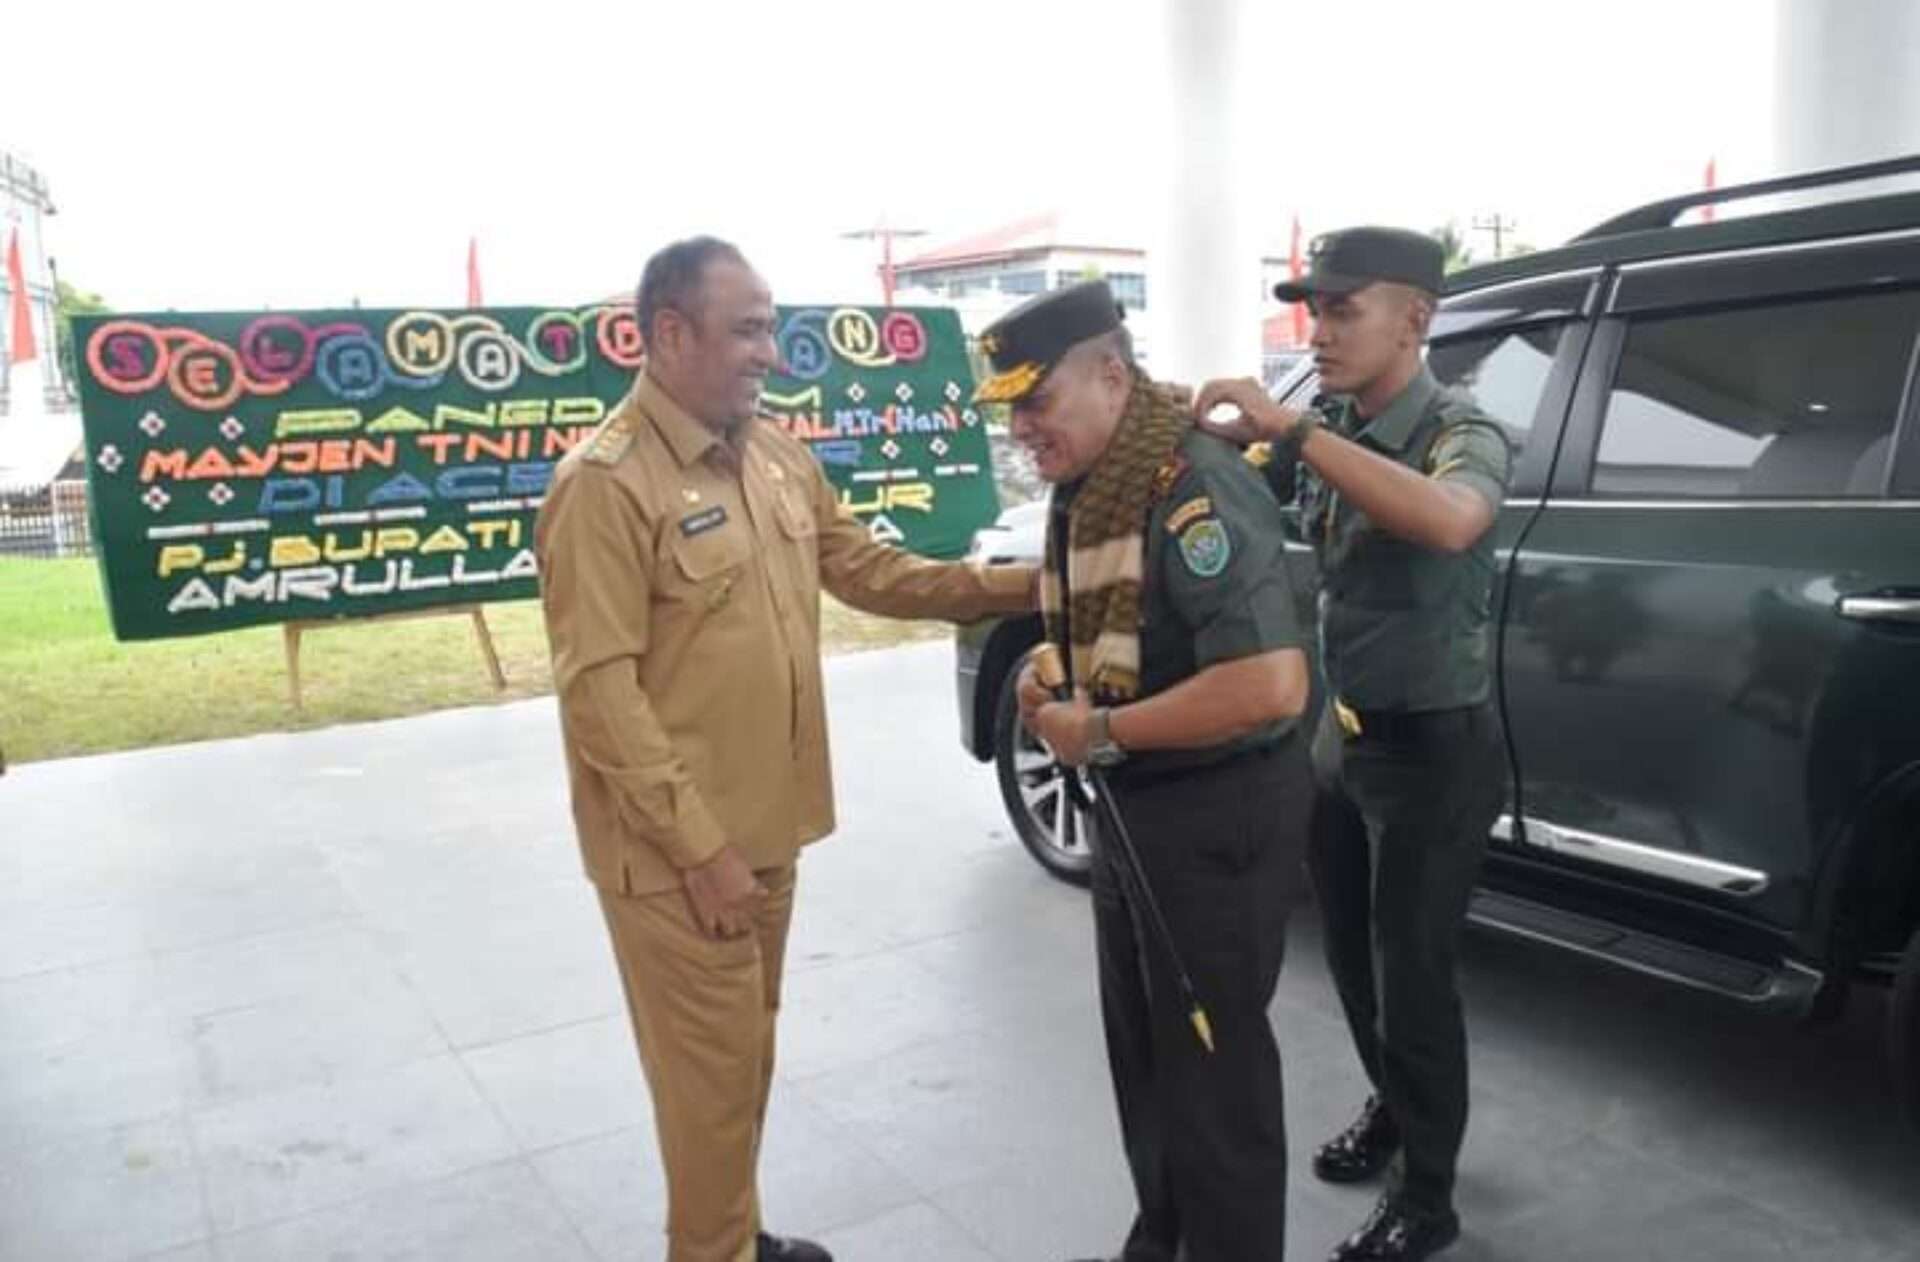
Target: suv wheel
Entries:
(1034, 792)
(1903, 1022)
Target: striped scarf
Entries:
(1106, 544)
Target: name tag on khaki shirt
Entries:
(701, 522)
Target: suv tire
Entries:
(1034, 792)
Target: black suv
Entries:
(1708, 598)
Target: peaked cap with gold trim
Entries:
(1023, 345)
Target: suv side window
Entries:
(1506, 371)
(1783, 400)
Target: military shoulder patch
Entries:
(1446, 448)
(1205, 548)
(1197, 507)
(610, 443)
(1462, 442)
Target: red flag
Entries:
(1706, 212)
(1293, 274)
(473, 273)
(20, 331)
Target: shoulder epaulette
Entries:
(1167, 475)
(610, 443)
(1456, 405)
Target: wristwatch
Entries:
(1296, 437)
(1102, 749)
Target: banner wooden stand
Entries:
(292, 631)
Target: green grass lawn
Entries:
(67, 687)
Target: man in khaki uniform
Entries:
(682, 551)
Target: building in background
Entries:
(39, 422)
(25, 205)
(986, 275)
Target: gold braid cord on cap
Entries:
(1009, 385)
(1106, 544)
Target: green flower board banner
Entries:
(251, 468)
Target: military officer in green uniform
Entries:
(1166, 590)
(1402, 480)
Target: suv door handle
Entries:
(1881, 608)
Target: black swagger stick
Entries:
(1048, 669)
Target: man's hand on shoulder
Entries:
(1254, 417)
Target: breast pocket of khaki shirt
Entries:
(706, 571)
(801, 536)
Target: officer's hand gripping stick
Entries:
(1052, 675)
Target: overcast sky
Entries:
(213, 156)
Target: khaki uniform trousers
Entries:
(703, 1014)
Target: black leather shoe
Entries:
(1363, 1150)
(787, 1249)
(1396, 1232)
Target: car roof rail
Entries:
(1662, 214)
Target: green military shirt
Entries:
(1217, 587)
(1405, 628)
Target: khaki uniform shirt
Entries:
(681, 576)
(1404, 628)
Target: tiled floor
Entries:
(347, 995)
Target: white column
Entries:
(1845, 90)
(1203, 286)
